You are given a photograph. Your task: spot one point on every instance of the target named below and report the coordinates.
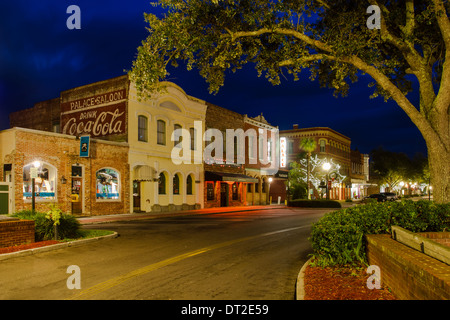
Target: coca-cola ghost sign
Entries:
(97, 116)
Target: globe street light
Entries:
(326, 166)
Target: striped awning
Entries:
(143, 173)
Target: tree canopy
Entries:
(329, 38)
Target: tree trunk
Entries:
(307, 175)
(439, 162)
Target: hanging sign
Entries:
(84, 146)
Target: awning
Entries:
(143, 173)
(223, 176)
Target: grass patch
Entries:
(88, 233)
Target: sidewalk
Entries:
(154, 215)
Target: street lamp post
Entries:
(33, 173)
(326, 166)
(268, 191)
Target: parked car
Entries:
(378, 196)
(390, 196)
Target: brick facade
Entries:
(333, 145)
(17, 232)
(59, 153)
(44, 116)
(222, 119)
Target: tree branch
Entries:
(408, 29)
(288, 32)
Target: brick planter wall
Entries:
(16, 232)
(439, 237)
(410, 274)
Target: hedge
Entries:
(68, 226)
(338, 237)
(314, 203)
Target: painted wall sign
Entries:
(97, 116)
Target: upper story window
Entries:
(192, 132)
(142, 128)
(290, 147)
(322, 145)
(177, 136)
(161, 132)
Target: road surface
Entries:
(249, 255)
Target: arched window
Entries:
(44, 181)
(189, 185)
(322, 145)
(176, 184)
(142, 128)
(162, 183)
(108, 184)
(161, 132)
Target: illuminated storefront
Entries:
(78, 185)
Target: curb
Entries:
(300, 286)
(52, 247)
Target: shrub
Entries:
(68, 226)
(338, 237)
(314, 203)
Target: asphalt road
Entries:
(249, 255)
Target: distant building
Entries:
(225, 183)
(330, 144)
(255, 166)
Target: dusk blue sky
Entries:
(40, 57)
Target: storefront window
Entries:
(108, 186)
(45, 181)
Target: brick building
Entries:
(330, 145)
(225, 183)
(255, 164)
(100, 182)
(111, 111)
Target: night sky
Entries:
(40, 57)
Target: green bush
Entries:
(68, 226)
(338, 237)
(314, 203)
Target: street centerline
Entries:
(103, 286)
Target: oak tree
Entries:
(330, 38)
